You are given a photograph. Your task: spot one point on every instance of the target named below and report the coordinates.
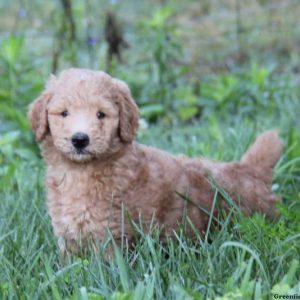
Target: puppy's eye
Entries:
(65, 113)
(100, 115)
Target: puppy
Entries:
(86, 122)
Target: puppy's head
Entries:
(88, 114)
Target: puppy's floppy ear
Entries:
(129, 113)
(38, 115)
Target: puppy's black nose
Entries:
(80, 140)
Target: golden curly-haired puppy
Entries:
(86, 122)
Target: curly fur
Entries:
(86, 191)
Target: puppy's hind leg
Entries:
(248, 182)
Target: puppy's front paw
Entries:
(67, 246)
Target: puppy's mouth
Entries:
(80, 155)
(81, 151)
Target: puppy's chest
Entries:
(80, 201)
(86, 186)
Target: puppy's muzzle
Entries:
(80, 140)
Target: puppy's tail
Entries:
(264, 154)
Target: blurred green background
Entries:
(179, 58)
(205, 63)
